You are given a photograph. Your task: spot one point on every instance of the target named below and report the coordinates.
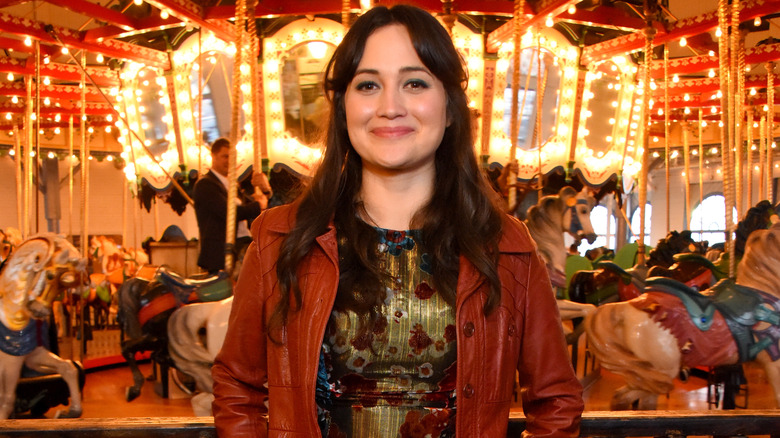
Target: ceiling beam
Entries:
(73, 40)
(192, 12)
(103, 76)
(94, 10)
(141, 26)
(604, 17)
(57, 92)
(682, 28)
(703, 85)
(696, 64)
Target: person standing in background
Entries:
(210, 196)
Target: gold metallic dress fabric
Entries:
(398, 379)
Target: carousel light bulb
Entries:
(15, 99)
(27, 41)
(99, 58)
(683, 42)
(10, 76)
(46, 81)
(687, 110)
(766, 107)
(33, 116)
(704, 124)
(108, 129)
(711, 73)
(711, 53)
(572, 9)
(757, 21)
(90, 130)
(753, 91)
(57, 130)
(687, 97)
(9, 116)
(46, 60)
(46, 101)
(718, 33)
(11, 152)
(138, 2)
(675, 78)
(164, 14)
(64, 50)
(549, 21)
(713, 110)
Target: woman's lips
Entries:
(391, 132)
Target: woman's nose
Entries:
(391, 104)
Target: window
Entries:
(708, 220)
(635, 224)
(604, 225)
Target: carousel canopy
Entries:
(69, 65)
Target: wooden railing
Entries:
(675, 424)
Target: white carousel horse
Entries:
(194, 354)
(548, 220)
(650, 339)
(33, 276)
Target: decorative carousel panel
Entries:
(149, 145)
(547, 88)
(296, 108)
(203, 89)
(607, 137)
(471, 47)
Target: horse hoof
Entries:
(70, 413)
(132, 393)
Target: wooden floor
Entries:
(104, 393)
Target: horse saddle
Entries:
(214, 288)
(701, 260)
(742, 308)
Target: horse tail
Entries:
(185, 345)
(606, 331)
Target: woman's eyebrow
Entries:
(409, 69)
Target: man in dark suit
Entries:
(210, 196)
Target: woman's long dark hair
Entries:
(462, 217)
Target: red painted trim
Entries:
(157, 306)
(96, 11)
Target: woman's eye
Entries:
(366, 86)
(417, 84)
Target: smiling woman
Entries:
(360, 277)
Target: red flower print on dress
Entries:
(419, 340)
(424, 291)
(450, 334)
(417, 425)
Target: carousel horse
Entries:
(670, 328)
(548, 220)
(195, 336)
(35, 273)
(146, 302)
(609, 282)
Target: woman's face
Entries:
(396, 109)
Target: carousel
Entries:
(635, 138)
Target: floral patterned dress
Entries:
(398, 379)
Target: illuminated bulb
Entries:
(711, 53)
(46, 81)
(660, 112)
(757, 21)
(46, 60)
(109, 158)
(713, 110)
(766, 107)
(704, 124)
(683, 42)
(57, 130)
(108, 129)
(164, 14)
(138, 2)
(675, 78)
(27, 41)
(687, 110)
(10, 76)
(711, 73)
(572, 9)
(752, 91)
(15, 99)
(100, 58)
(714, 150)
(686, 97)
(46, 101)
(64, 50)
(718, 33)
(549, 21)
(9, 116)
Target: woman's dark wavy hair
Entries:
(463, 216)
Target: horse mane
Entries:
(674, 243)
(759, 267)
(756, 218)
(544, 224)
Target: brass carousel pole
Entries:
(541, 83)
(70, 177)
(28, 130)
(19, 154)
(749, 156)
(235, 128)
(84, 167)
(740, 128)
(666, 139)
(687, 176)
(258, 110)
(650, 31)
(514, 125)
(770, 122)
(727, 131)
(761, 157)
(701, 165)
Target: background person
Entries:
(394, 298)
(210, 196)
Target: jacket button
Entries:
(468, 329)
(511, 330)
(468, 390)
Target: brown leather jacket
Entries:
(265, 389)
